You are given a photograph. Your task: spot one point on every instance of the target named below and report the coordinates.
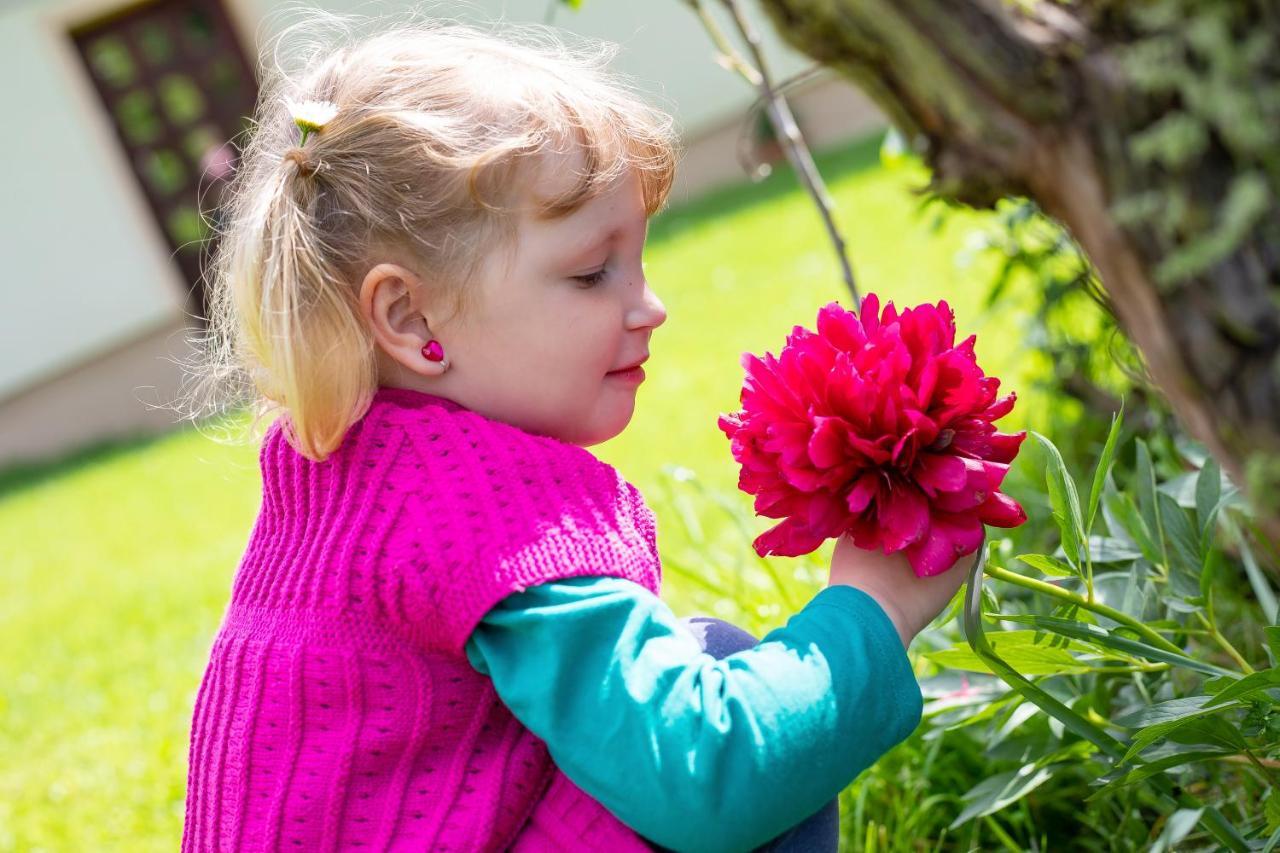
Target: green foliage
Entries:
(1212, 68)
(1144, 674)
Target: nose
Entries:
(650, 312)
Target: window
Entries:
(179, 93)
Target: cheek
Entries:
(592, 328)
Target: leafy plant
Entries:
(1121, 661)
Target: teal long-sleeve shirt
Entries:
(692, 752)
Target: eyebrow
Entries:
(595, 243)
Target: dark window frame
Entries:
(179, 91)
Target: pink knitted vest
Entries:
(338, 708)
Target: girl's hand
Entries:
(911, 602)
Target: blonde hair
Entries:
(438, 124)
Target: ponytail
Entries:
(300, 316)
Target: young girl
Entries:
(445, 633)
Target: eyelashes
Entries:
(591, 279)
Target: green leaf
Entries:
(1110, 549)
(1136, 591)
(1021, 650)
(1182, 585)
(1101, 636)
(1261, 589)
(1271, 808)
(1093, 648)
(1180, 823)
(1065, 501)
(1217, 684)
(1167, 718)
(1272, 633)
(1215, 731)
(994, 793)
(1164, 712)
(1122, 509)
(1151, 768)
(1212, 559)
(1215, 823)
(1179, 534)
(1145, 486)
(1257, 682)
(1049, 565)
(1182, 488)
(1208, 493)
(1104, 467)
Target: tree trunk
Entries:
(1152, 134)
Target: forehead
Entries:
(555, 173)
(558, 173)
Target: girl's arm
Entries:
(692, 752)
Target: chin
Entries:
(592, 439)
(602, 433)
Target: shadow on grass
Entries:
(19, 476)
(833, 164)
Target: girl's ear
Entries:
(391, 303)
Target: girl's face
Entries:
(555, 320)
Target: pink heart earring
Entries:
(433, 351)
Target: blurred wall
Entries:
(84, 267)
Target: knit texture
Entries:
(338, 708)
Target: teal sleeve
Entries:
(692, 752)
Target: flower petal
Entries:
(950, 537)
(1000, 510)
(1004, 446)
(791, 538)
(841, 327)
(869, 314)
(827, 446)
(903, 514)
(939, 472)
(866, 488)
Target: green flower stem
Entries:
(1262, 768)
(1088, 578)
(1190, 632)
(1225, 643)
(1095, 606)
(1142, 688)
(1000, 833)
(1137, 667)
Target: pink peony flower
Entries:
(878, 426)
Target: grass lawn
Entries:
(117, 567)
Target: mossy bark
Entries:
(1046, 99)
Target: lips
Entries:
(631, 365)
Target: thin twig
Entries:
(784, 123)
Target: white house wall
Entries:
(84, 268)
